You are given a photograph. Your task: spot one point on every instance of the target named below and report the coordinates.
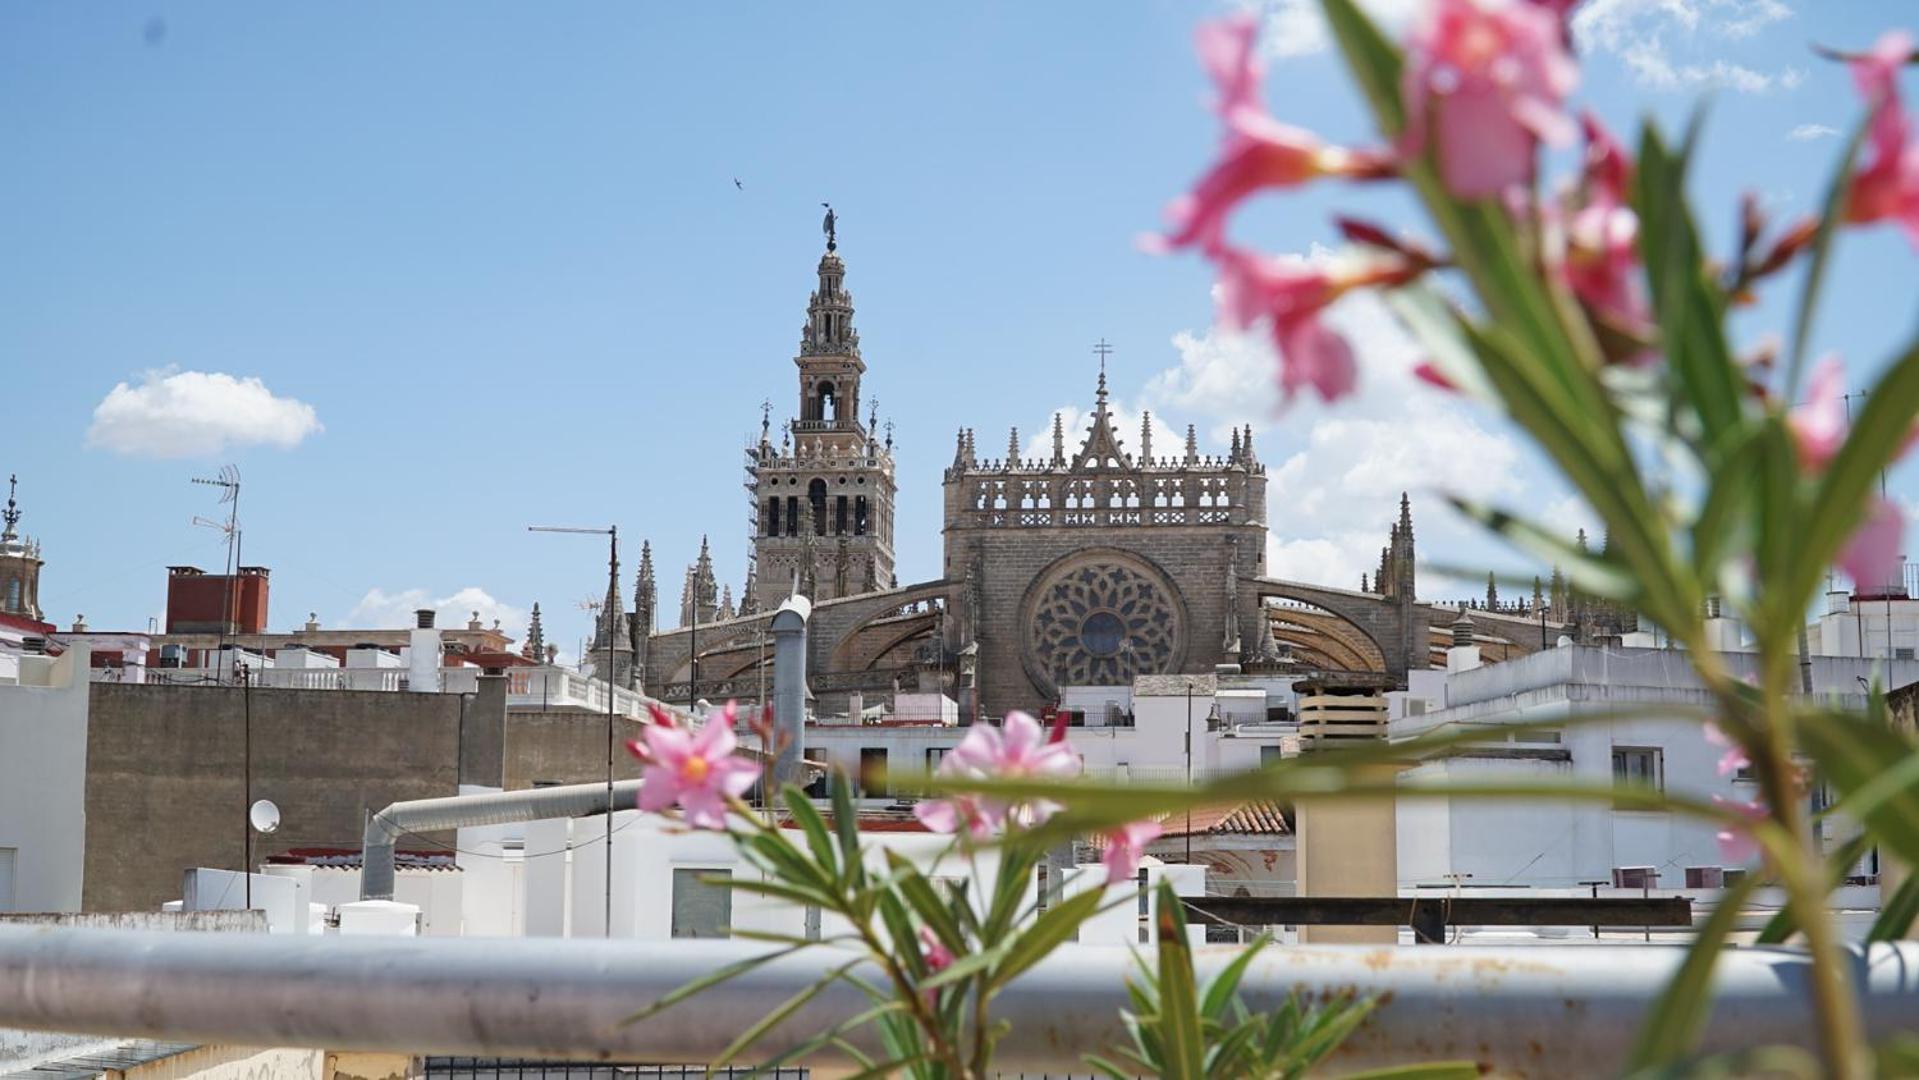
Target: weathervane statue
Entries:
(829, 226)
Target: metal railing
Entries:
(1519, 1011)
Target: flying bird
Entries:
(737, 184)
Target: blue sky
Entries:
(489, 264)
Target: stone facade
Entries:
(823, 499)
(1091, 565)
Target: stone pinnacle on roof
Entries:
(534, 648)
(1012, 446)
(1059, 440)
(1192, 446)
(1146, 436)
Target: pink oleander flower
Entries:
(1871, 557)
(1257, 151)
(1886, 188)
(1124, 846)
(1489, 79)
(1608, 169)
(1734, 758)
(697, 771)
(1737, 844)
(1428, 372)
(1819, 426)
(1291, 293)
(978, 817)
(1019, 749)
(937, 956)
(1602, 264)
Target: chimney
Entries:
(1464, 655)
(789, 689)
(483, 734)
(423, 655)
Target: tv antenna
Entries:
(229, 484)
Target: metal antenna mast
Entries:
(612, 534)
(229, 484)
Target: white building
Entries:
(1137, 732)
(1558, 844)
(43, 756)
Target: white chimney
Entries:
(423, 655)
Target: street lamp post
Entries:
(612, 534)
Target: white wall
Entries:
(43, 781)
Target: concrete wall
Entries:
(566, 748)
(164, 780)
(43, 765)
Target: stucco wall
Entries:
(164, 788)
(43, 762)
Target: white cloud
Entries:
(174, 414)
(1298, 28)
(1614, 24)
(1653, 68)
(382, 610)
(1635, 30)
(1335, 473)
(1807, 132)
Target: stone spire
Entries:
(646, 594)
(1246, 448)
(726, 602)
(1363, 586)
(1233, 453)
(703, 588)
(959, 449)
(1059, 441)
(11, 515)
(1012, 447)
(1146, 436)
(1192, 446)
(749, 596)
(1539, 599)
(610, 629)
(1492, 592)
(1102, 447)
(534, 648)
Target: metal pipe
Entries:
(491, 808)
(1520, 1011)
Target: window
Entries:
(1635, 877)
(1271, 754)
(873, 771)
(1902, 654)
(1640, 766)
(1705, 877)
(935, 755)
(7, 855)
(701, 908)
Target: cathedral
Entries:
(1099, 562)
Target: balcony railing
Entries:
(1518, 1011)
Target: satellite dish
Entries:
(263, 816)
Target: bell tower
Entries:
(823, 499)
(19, 563)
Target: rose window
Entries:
(1102, 623)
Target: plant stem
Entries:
(1835, 1005)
